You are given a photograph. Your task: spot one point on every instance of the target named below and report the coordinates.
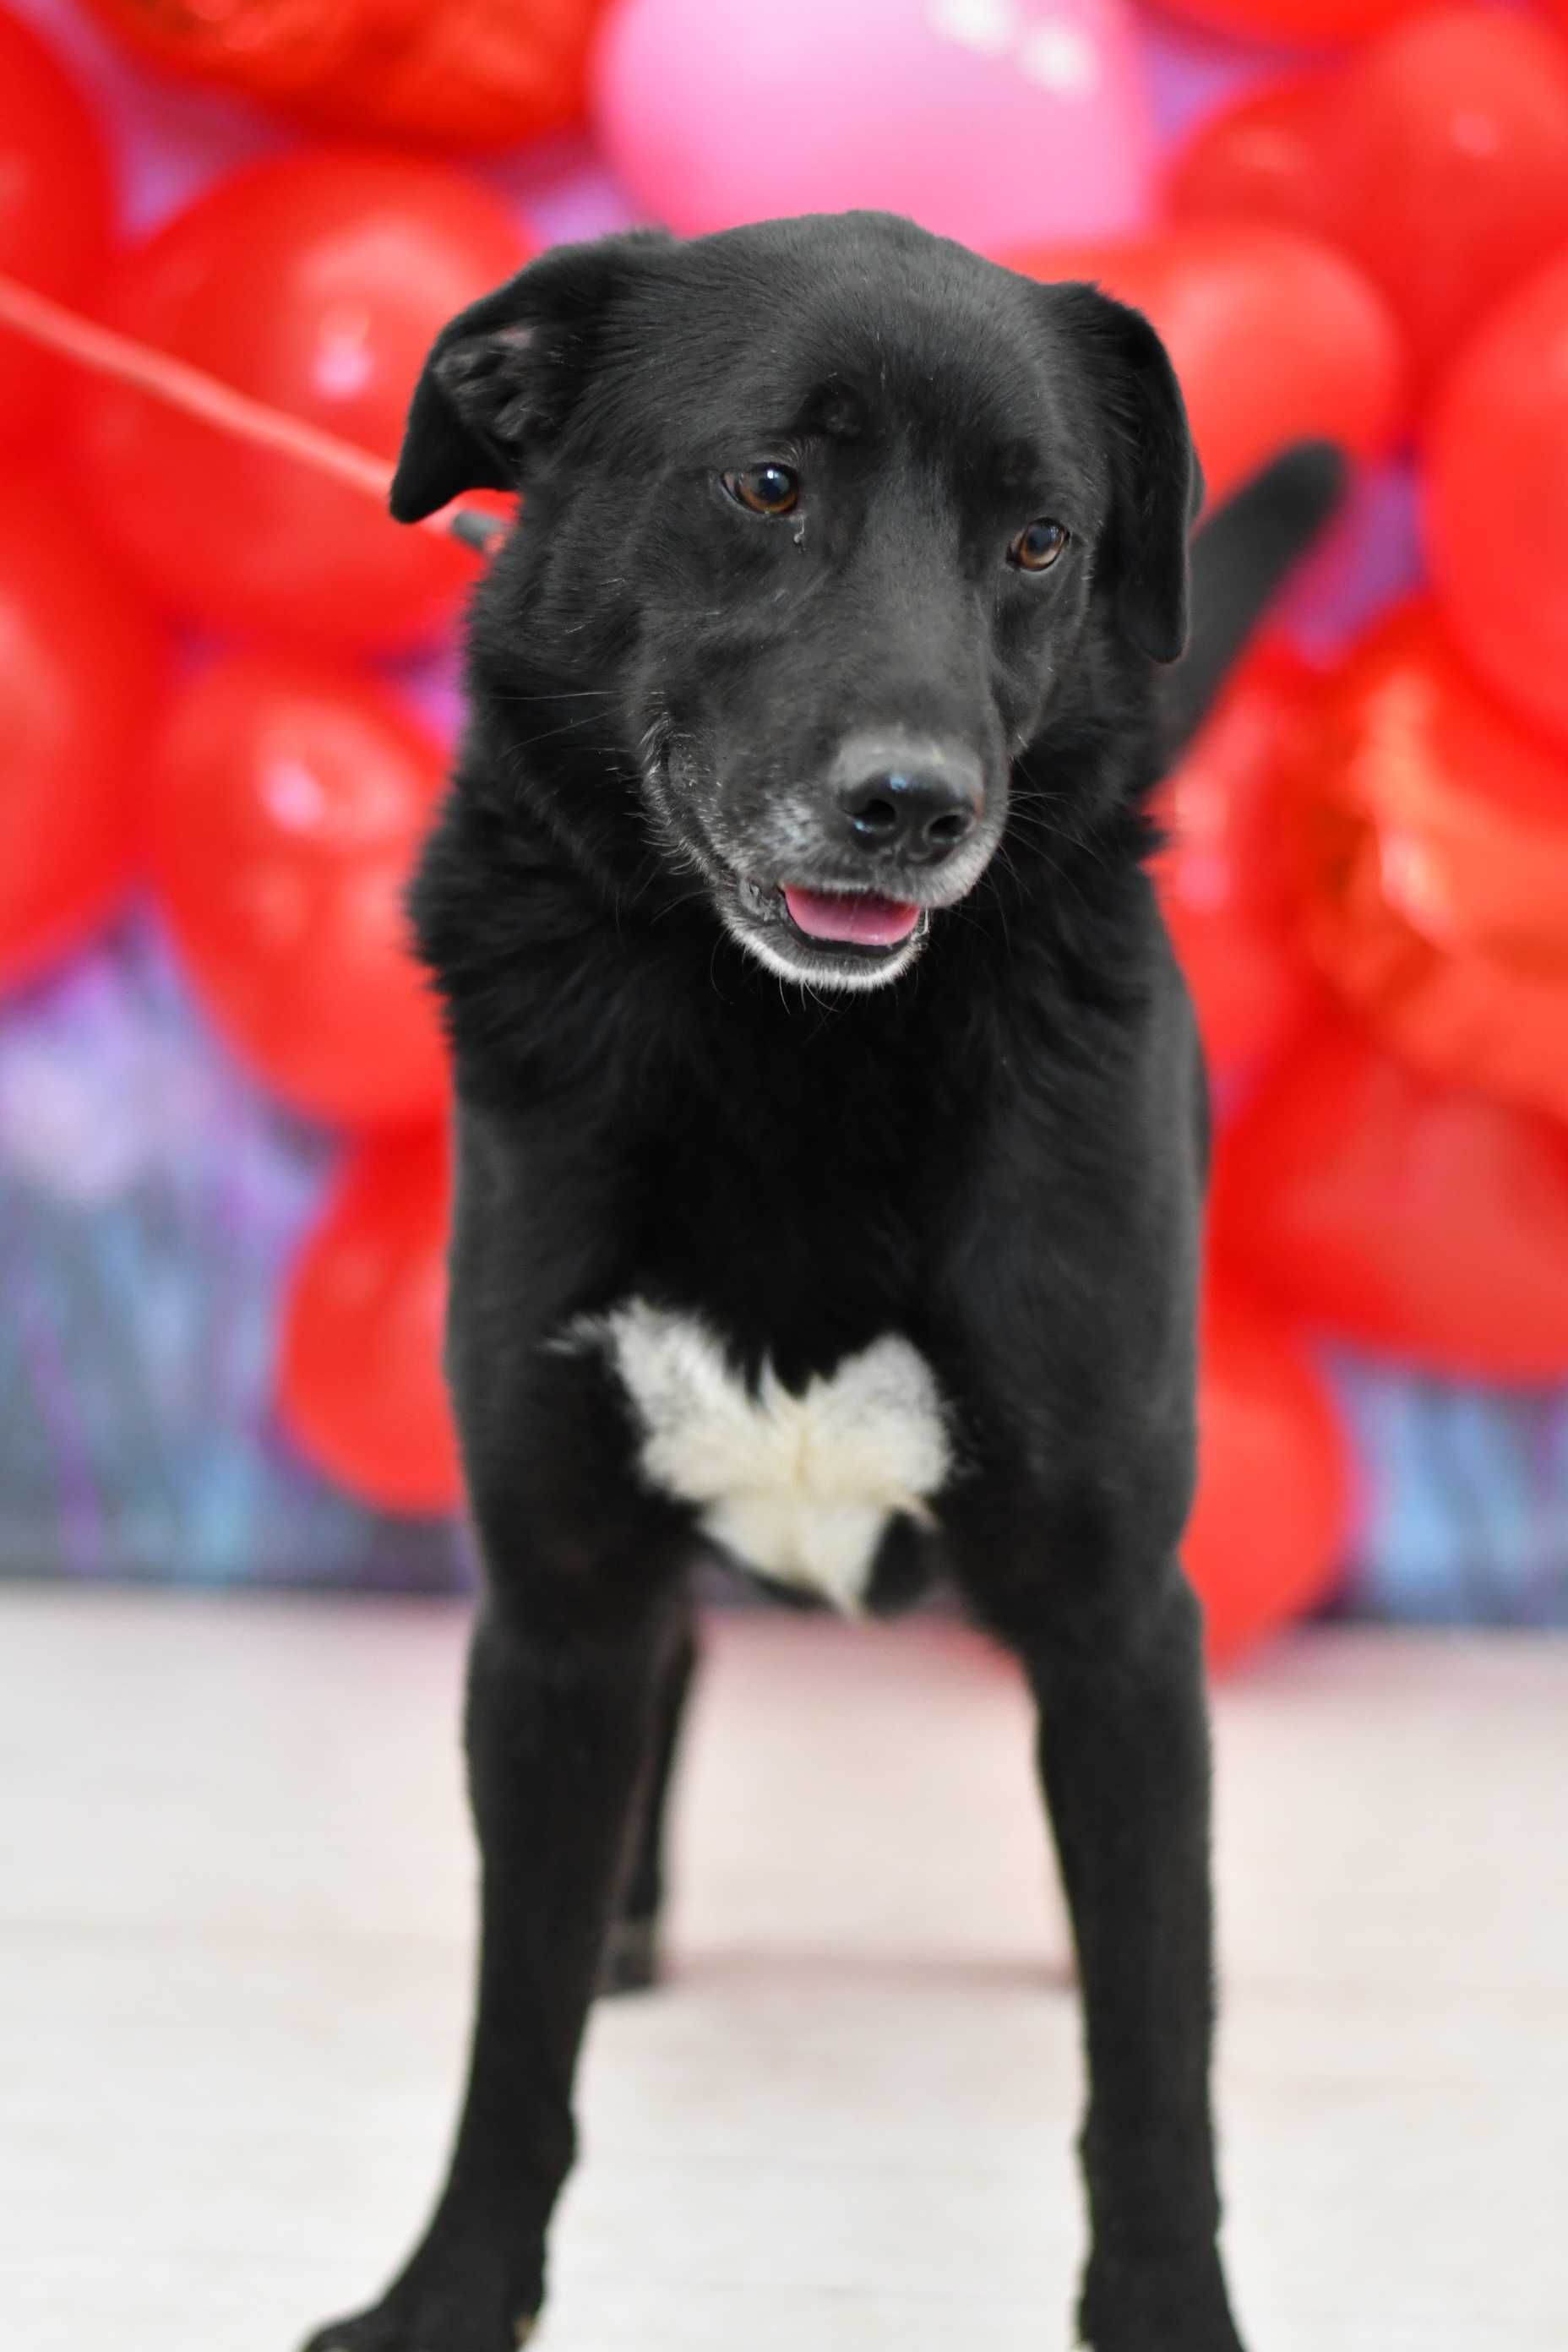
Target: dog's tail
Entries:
(1240, 557)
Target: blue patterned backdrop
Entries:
(150, 1200)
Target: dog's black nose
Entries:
(915, 807)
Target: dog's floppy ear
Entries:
(504, 374)
(1158, 482)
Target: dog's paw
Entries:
(428, 2321)
(382, 2330)
(1186, 2334)
(1157, 2307)
(630, 1959)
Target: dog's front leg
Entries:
(1116, 1668)
(1124, 1759)
(562, 1698)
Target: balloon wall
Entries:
(226, 698)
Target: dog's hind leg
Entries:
(631, 1960)
(1117, 1667)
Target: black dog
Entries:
(832, 1125)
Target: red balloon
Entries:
(56, 211)
(1497, 501)
(1260, 159)
(359, 1387)
(1267, 1537)
(79, 672)
(1447, 154)
(1297, 20)
(1436, 159)
(288, 806)
(1276, 337)
(316, 283)
(1425, 1220)
(470, 72)
(1433, 834)
(1222, 884)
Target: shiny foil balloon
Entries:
(316, 283)
(80, 668)
(1425, 1220)
(467, 73)
(1267, 1538)
(360, 1386)
(55, 213)
(1276, 337)
(1433, 832)
(1496, 499)
(1223, 886)
(287, 804)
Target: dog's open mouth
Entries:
(850, 917)
(829, 935)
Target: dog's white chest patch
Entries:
(800, 1487)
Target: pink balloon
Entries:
(995, 122)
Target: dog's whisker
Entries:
(557, 694)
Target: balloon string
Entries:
(180, 385)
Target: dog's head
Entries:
(828, 521)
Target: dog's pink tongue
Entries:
(843, 915)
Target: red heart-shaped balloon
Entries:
(1445, 159)
(1296, 20)
(1259, 159)
(57, 215)
(469, 73)
(1436, 158)
(81, 673)
(1222, 885)
(1276, 336)
(1266, 1540)
(360, 1386)
(1424, 1220)
(1495, 497)
(1433, 868)
(315, 283)
(287, 804)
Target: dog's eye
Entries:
(766, 489)
(1038, 548)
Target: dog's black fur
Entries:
(996, 1153)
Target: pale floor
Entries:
(234, 1918)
